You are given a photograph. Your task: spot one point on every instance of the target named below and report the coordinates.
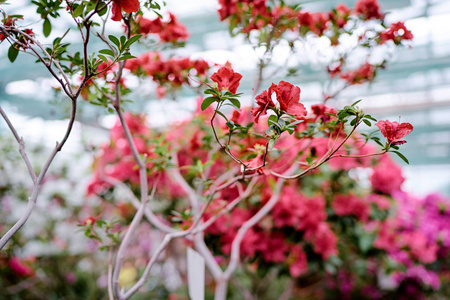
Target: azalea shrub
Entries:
(271, 194)
(325, 229)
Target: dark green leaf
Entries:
(115, 40)
(378, 142)
(367, 122)
(103, 58)
(370, 118)
(132, 40)
(13, 52)
(123, 40)
(233, 106)
(401, 156)
(47, 27)
(78, 11)
(210, 92)
(124, 57)
(103, 11)
(207, 102)
(356, 102)
(272, 120)
(107, 52)
(235, 102)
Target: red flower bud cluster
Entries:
(171, 31)
(257, 14)
(396, 33)
(23, 39)
(368, 9)
(365, 73)
(172, 72)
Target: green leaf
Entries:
(230, 125)
(47, 27)
(235, 102)
(13, 52)
(401, 156)
(378, 142)
(123, 40)
(370, 118)
(115, 40)
(103, 11)
(220, 113)
(367, 122)
(127, 56)
(210, 92)
(356, 102)
(234, 106)
(107, 52)
(132, 40)
(207, 102)
(272, 120)
(78, 11)
(103, 58)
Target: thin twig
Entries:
(21, 146)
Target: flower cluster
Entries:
(278, 18)
(416, 234)
(396, 33)
(167, 31)
(170, 73)
(365, 73)
(24, 39)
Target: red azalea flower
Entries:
(227, 79)
(227, 8)
(368, 9)
(394, 34)
(147, 26)
(174, 31)
(394, 132)
(129, 6)
(320, 111)
(297, 261)
(341, 15)
(20, 267)
(365, 73)
(316, 22)
(264, 101)
(288, 96)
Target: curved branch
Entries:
(38, 182)
(149, 215)
(21, 146)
